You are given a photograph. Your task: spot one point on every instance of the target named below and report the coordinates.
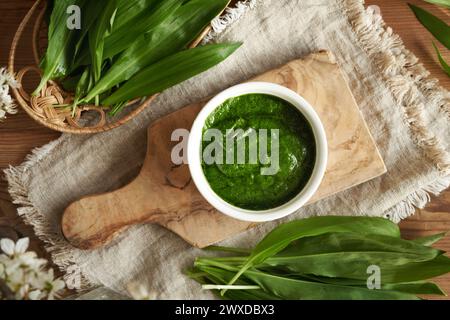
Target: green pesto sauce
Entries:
(243, 185)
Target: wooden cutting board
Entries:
(165, 194)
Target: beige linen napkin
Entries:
(407, 114)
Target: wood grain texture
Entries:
(19, 134)
(165, 194)
(435, 217)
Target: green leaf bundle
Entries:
(172, 35)
(129, 49)
(326, 258)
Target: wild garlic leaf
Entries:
(288, 288)
(121, 38)
(443, 63)
(283, 287)
(294, 289)
(128, 10)
(438, 28)
(430, 240)
(419, 287)
(356, 242)
(97, 35)
(417, 271)
(70, 83)
(97, 38)
(171, 71)
(91, 11)
(444, 3)
(84, 85)
(415, 287)
(61, 43)
(409, 272)
(348, 264)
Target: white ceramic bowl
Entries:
(195, 144)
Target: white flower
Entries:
(7, 246)
(139, 292)
(22, 293)
(11, 249)
(48, 284)
(55, 287)
(7, 105)
(24, 273)
(8, 78)
(31, 260)
(35, 295)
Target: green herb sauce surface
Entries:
(243, 185)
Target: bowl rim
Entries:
(195, 143)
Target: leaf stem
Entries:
(228, 287)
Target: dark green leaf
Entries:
(355, 242)
(344, 255)
(91, 10)
(70, 83)
(411, 272)
(171, 71)
(287, 288)
(417, 271)
(438, 28)
(294, 289)
(352, 265)
(418, 287)
(146, 21)
(97, 34)
(130, 9)
(220, 277)
(59, 55)
(443, 63)
(84, 85)
(124, 37)
(97, 38)
(415, 288)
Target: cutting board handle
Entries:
(109, 211)
(93, 221)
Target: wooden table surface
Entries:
(19, 134)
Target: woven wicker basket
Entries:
(87, 119)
